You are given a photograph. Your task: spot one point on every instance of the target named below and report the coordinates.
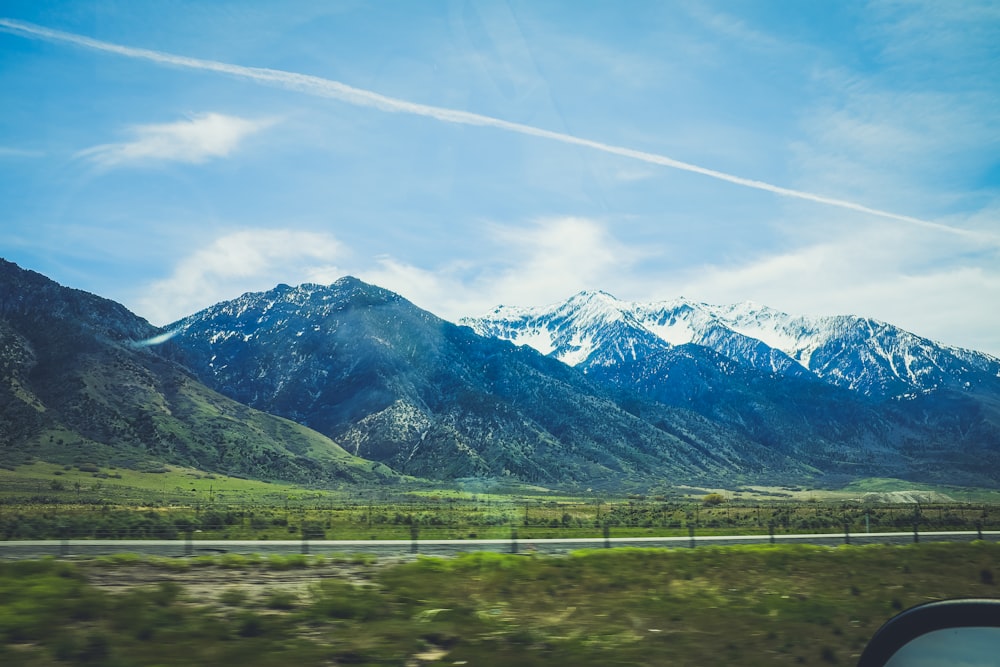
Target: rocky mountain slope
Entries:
(867, 389)
(396, 384)
(75, 387)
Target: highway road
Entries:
(26, 549)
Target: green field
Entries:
(727, 605)
(49, 501)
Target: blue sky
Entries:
(817, 157)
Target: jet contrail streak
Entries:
(318, 86)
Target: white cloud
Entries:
(243, 261)
(198, 139)
(558, 256)
(537, 264)
(931, 285)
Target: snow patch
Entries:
(675, 332)
(580, 349)
(538, 339)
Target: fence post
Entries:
(607, 535)
(64, 543)
(691, 535)
(305, 543)
(916, 531)
(847, 533)
(414, 536)
(513, 540)
(770, 531)
(979, 529)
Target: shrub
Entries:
(279, 562)
(233, 597)
(338, 599)
(250, 625)
(282, 600)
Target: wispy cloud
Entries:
(317, 86)
(534, 264)
(238, 262)
(920, 126)
(931, 288)
(874, 139)
(194, 140)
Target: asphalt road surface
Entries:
(26, 549)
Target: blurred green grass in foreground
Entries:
(748, 605)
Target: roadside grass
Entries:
(746, 605)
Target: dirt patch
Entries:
(906, 497)
(206, 584)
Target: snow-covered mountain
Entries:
(672, 390)
(652, 394)
(675, 390)
(594, 329)
(395, 384)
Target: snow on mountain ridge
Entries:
(867, 355)
(565, 330)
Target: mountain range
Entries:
(352, 382)
(76, 388)
(393, 383)
(877, 359)
(853, 390)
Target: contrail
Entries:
(320, 87)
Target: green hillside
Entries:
(76, 389)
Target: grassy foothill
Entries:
(760, 605)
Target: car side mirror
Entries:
(950, 632)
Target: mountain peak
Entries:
(594, 295)
(348, 281)
(873, 357)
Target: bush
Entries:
(291, 561)
(338, 599)
(282, 600)
(233, 597)
(250, 625)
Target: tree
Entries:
(713, 499)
